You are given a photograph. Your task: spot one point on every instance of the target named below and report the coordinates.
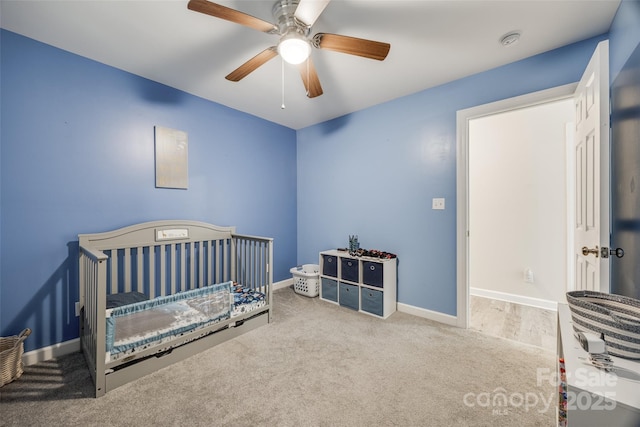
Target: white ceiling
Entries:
(432, 42)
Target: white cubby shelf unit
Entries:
(361, 283)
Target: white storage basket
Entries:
(306, 279)
(615, 317)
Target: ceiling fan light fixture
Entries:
(294, 48)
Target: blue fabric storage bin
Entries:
(330, 265)
(349, 296)
(329, 289)
(350, 270)
(372, 301)
(372, 273)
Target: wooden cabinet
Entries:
(364, 284)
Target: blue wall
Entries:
(374, 173)
(77, 156)
(624, 35)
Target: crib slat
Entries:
(238, 257)
(113, 288)
(265, 266)
(248, 264)
(234, 261)
(127, 270)
(208, 263)
(215, 264)
(192, 265)
(182, 265)
(139, 268)
(237, 249)
(254, 266)
(201, 280)
(183, 269)
(172, 267)
(220, 257)
(163, 269)
(217, 254)
(258, 267)
(245, 263)
(152, 271)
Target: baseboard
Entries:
(447, 319)
(51, 352)
(517, 299)
(405, 308)
(282, 284)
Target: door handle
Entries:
(586, 251)
(605, 252)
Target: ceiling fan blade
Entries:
(245, 69)
(223, 12)
(352, 45)
(310, 78)
(309, 10)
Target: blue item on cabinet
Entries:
(330, 265)
(372, 301)
(372, 273)
(348, 296)
(350, 269)
(329, 289)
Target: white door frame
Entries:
(462, 182)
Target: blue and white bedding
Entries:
(135, 327)
(246, 300)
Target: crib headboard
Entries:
(160, 258)
(155, 232)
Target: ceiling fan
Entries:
(294, 21)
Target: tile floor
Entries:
(513, 321)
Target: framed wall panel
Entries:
(172, 158)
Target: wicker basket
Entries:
(11, 350)
(615, 317)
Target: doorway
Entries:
(463, 194)
(518, 244)
(518, 202)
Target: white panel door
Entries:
(592, 173)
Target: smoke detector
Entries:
(510, 38)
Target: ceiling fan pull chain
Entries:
(282, 64)
(308, 80)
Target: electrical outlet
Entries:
(437, 203)
(528, 275)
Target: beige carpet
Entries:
(316, 364)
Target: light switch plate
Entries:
(438, 203)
